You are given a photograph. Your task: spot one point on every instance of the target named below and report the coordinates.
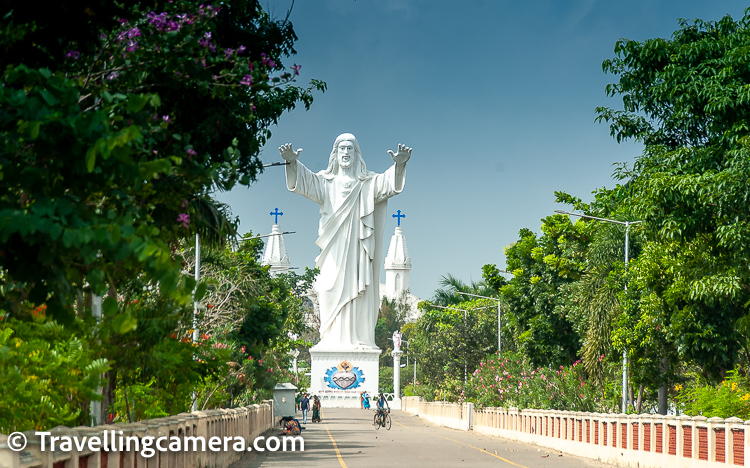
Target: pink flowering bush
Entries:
(510, 381)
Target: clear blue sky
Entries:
(496, 97)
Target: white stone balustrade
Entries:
(247, 422)
(645, 440)
(441, 413)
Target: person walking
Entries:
(316, 409)
(366, 400)
(304, 405)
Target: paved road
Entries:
(347, 439)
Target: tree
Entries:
(118, 122)
(448, 343)
(112, 135)
(686, 100)
(537, 318)
(450, 286)
(391, 317)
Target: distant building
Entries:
(397, 267)
(275, 252)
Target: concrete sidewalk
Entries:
(346, 438)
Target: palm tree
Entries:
(214, 221)
(597, 297)
(446, 295)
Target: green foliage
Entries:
(391, 317)
(47, 373)
(450, 286)
(386, 378)
(491, 277)
(118, 121)
(535, 318)
(163, 113)
(685, 99)
(730, 398)
(445, 343)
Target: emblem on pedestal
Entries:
(344, 376)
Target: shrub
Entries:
(729, 398)
(510, 381)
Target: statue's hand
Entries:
(288, 153)
(402, 155)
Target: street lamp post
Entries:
(194, 396)
(627, 225)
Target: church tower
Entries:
(397, 263)
(275, 252)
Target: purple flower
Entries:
(135, 32)
(205, 41)
(184, 219)
(165, 118)
(185, 202)
(247, 80)
(296, 69)
(241, 49)
(112, 76)
(191, 152)
(73, 54)
(228, 53)
(132, 45)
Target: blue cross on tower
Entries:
(399, 216)
(276, 213)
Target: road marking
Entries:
(476, 448)
(335, 447)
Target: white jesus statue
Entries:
(352, 217)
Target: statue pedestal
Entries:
(339, 376)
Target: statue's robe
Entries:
(350, 238)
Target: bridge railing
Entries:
(439, 412)
(248, 422)
(644, 440)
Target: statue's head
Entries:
(346, 153)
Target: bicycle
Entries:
(382, 419)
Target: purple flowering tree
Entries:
(118, 121)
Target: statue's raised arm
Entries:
(402, 155)
(288, 153)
